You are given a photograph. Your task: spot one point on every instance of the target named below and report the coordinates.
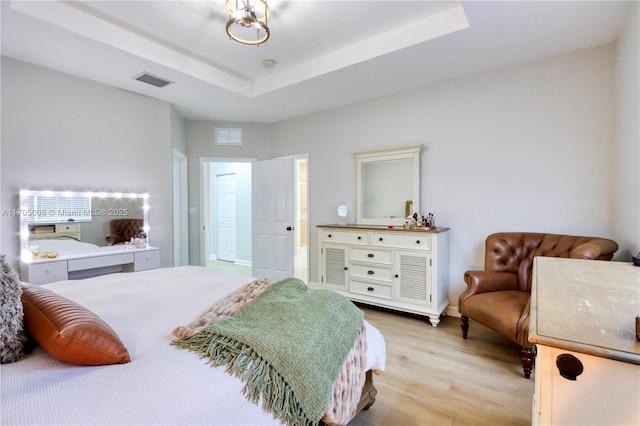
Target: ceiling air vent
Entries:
(145, 77)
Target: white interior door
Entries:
(273, 218)
(226, 214)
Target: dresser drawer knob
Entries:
(370, 289)
(329, 236)
(370, 272)
(370, 255)
(569, 366)
(359, 237)
(418, 242)
(380, 239)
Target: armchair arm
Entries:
(522, 333)
(487, 281)
(115, 239)
(597, 248)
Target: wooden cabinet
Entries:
(103, 260)
(406, 270)
(587, 368)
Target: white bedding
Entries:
(62, 246)
(161, 384)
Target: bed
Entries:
(162, 384)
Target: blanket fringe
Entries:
(260, 379)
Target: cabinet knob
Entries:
(569, 366)
(345, 268)
(380, 238)
(370, 272)
(329, 236)
(370, 255)
(397, 276)
(370, 289)
(417, 241)
(359, 237)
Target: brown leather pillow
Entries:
(69, 331)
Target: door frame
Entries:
(202, 229)
(180, 211)
(203, 198)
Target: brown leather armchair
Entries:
(500, 296)
(121, 230)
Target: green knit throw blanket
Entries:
(288, 346)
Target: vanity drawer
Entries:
(399, 240)
(47, 272)
(371, 272)
(146, 260)
(345, 237)
(376, 290)
(384, 257)
(100, 261)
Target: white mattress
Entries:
(161, 384)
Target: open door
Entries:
(273, 213)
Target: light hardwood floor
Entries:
(434, 377)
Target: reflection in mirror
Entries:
(65, 222)
(382, 196)
(388, 184)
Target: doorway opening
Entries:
(226, 215)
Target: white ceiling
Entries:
(327, 53)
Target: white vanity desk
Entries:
(83, 264)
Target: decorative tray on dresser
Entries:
(582, 322)
(392, 267)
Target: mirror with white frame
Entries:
(387, 184)
(67, 222)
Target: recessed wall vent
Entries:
(227, 136)
(153, 80)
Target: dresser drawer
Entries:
(67, 227)
(345, 237)
(399, 240)
(43, 273)
(384, 257)
(371, 272)
(375, 290)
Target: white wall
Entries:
(627, 161)
(524, 148)
(65, 133)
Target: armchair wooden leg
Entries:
(527, 361)
(464, 325)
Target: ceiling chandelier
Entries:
(247, 22)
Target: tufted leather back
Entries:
(126, 227)
(514, 251)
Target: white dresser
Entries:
(406, 270)
(587, 368)
(103, 260)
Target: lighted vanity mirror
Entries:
(69, 222)
(387, 184)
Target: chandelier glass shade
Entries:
(247, 22)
